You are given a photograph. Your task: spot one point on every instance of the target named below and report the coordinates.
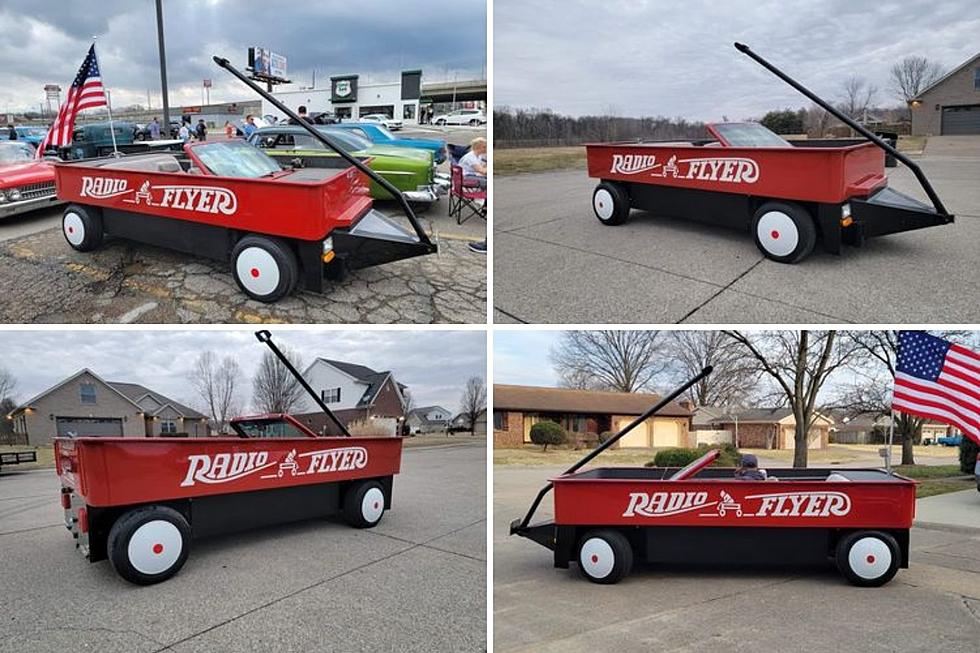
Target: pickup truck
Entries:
(17, 457)
(950, 440)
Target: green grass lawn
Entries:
(537, 159)
(45, 456)
(937, 479)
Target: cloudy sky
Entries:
(661, 57)
(433, 364)
(44, 41)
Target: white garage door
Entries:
(89, 426)
(666, 433)
(637, 438)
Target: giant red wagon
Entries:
(605, 518)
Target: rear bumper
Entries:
(425, 194)
(23, 206)
(376, 239)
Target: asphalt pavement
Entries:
(416, 582)
(932, 606)
(555, 263)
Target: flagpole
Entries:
(108, 101)
(891, 438)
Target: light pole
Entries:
(163, 67)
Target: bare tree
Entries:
(7, 383)
(274, 388)
(474, 401)
(216, 382)
(876, 362)
(816, 121)
(857, 99)
(735, 373)
(799, 363)
(624, 361)
(911, 76)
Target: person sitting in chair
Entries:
(748, 469)
(474, 162)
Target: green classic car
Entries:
(411, 170)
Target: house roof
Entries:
(374, 380)
(705, 415)
(134, 392)
(566, 400)
(760, 416)
(942, 79)
(419, 414)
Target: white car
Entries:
(471, 117)
(382, 119)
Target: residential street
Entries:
(556, 263)
(932, 606)
(416, 582)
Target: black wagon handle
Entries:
(315, 133)
(653, 410)
(829, 108)
(265, 336)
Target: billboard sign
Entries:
(266, 63)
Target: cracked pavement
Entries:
(555, 263)
(46, 281)
(416, 582)
(934, 605)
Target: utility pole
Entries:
(163, 68)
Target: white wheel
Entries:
(372, 505)
(258, 271)
(869, 558)
(155, 547)
(74, 228)
(596, 558)
(602, 202)
(777, 233)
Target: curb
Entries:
(949, 528)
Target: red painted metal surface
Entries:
(127, 471)
(812, 174)
(723, 502)
(278, 206)
(21, 174)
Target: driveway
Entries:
(416, 582)
(555, 263)
(934, 605)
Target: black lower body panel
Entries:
(376, 239)
(890, 212)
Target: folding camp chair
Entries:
(465, 201)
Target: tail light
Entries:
(65, 500)
(82, 520)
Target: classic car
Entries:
(31, 134)
(25, 183)
(381, 135)
(410, 170)
(381, 119)
(471, 117)
(95, 139)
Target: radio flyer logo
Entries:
(227, 467)
(768, 505)
(199, 199)
(730, 169)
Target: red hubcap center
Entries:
(595, 558)
(158, 548)
(870, 559)
(375, 505)
(254, 272)
(774, 234)
(71, 230)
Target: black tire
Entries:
(611, 203)
(364, 504)
(253, 253)
(441, 123)
(604, 542)
(148, 526)
(82, 227)
(474, 123)
(784, 232)
(869, 570)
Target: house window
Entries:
(86, 393)
(168, 427)
(499, 420)
(330, 396)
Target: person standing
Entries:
(155, 130)
(250, 125)
(185, 132)
(229, 129)
(11, 132)
(301, 111)
(202, 130)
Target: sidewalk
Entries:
(956, 511)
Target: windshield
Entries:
(385, 133)
(748, 134)
(14, 152)
(236, 159)
(346, 140)
(31, 131)
(267, 428)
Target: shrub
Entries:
(545, 433)
(605, 435)
(368, 428)
(968, 455)
(730, 456)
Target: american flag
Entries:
(938, 380)
(86, 92)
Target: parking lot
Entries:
(934, 605)
(44, 280)
(556, 263)
(416, 582)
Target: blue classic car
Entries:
(33, 135)
(380, 135)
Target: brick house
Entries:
(352, 392)
(951, 105)
(584, 414)
(86, 405)
(771, 428)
